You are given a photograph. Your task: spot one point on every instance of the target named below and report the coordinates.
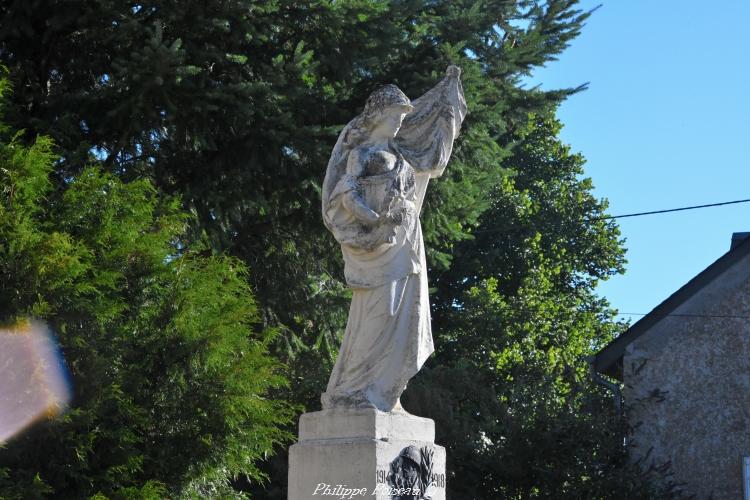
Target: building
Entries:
(685, 369)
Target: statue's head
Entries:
(387, 96)
(384, 112)
(412, 453)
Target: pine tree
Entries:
(235, 106)
(170, 373)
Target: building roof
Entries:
(609, 360)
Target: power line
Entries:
(730, 316)
(672, 210)
(638, 214)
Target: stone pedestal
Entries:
(364, 453)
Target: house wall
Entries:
(687, 389)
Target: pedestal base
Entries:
(343, 454)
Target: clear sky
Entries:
(664, 124)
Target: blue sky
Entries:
(664, 123)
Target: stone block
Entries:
(366, 453)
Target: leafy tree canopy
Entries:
(169, 374)
(235, 105)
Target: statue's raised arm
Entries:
(427, 133)
(375, 183)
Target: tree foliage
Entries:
(235, 105)
(510, 388)
(169, 376)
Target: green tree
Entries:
(169, 374)
(515, 317)
(235, 106)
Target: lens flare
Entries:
(34, 382)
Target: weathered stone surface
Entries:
(365, 454)
(365, 423)
(363, 443)
(375, 182)
(687, 385)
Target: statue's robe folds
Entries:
(388, 334)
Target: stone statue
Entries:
(373, 191)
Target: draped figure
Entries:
(373, 192)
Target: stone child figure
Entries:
(373, 191)
(381, 194)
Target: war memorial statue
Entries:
(363, 443)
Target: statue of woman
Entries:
(373, 191)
